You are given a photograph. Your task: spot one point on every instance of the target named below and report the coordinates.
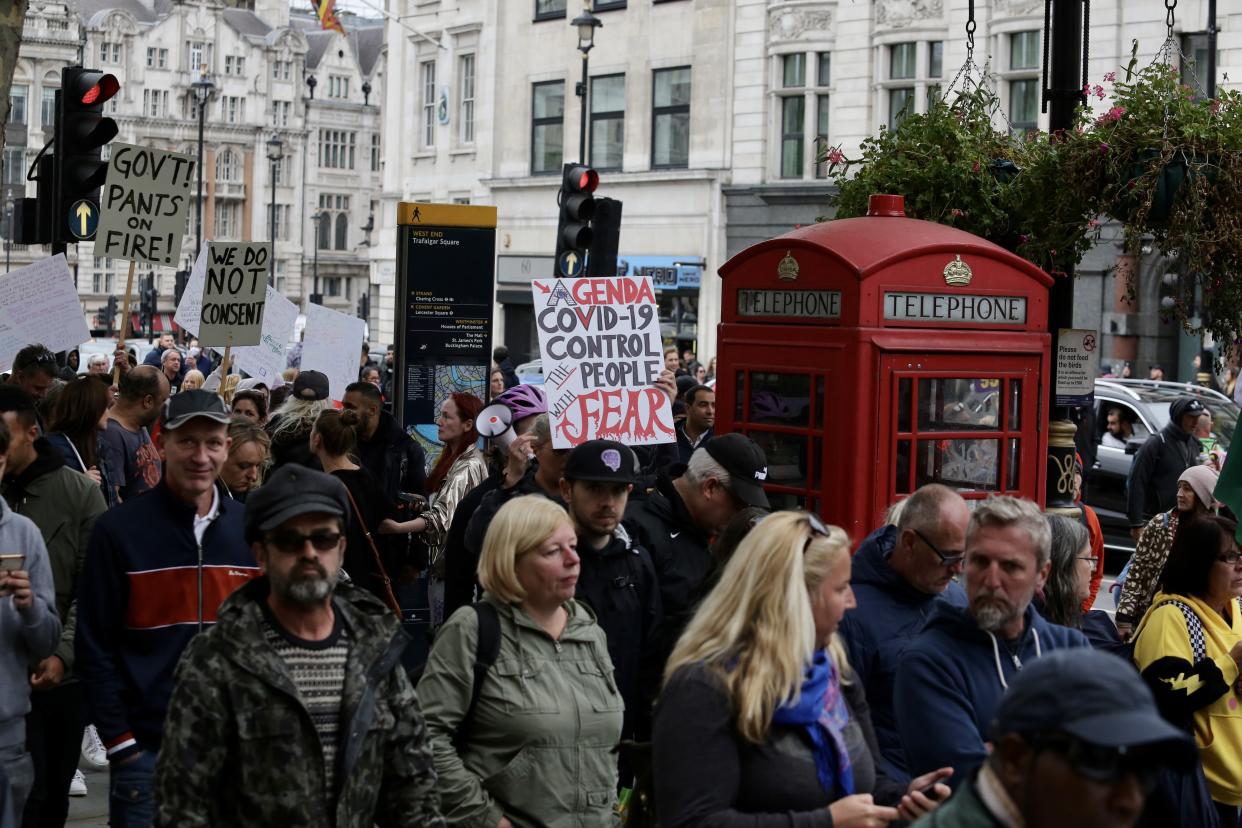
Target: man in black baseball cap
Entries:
(676, 522)
(1152, 487)
(319, 657)
(311, 385)
(617, 577)
(1077, 741)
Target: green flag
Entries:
(1229, 486)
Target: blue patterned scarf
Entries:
(821, 710)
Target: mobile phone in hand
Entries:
(11, 561)
(930, 793)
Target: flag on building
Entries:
(327, 17)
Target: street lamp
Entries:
(8, 234)
(275, 151)
(202, 89)
(317, 217)
(587, 23)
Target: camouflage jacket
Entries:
(240, 749)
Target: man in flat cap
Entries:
(294, 708)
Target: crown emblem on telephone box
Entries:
(957, 272)
(788, 268)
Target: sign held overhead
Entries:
(144, 205)
(234, 293)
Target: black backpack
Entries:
(486, 651)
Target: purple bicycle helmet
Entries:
(523, 401)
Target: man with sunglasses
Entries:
(34, 371)
(296, 702)
(1076, 741)
(901, 573)
(157, 569)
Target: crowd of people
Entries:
(215, 577)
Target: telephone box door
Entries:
(953, 420)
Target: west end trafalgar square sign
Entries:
(602, 353)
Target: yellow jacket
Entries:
(1200, 693)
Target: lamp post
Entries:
(317, 217)
(202, 89)
(275, 151)
(587, 23)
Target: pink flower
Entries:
(1093, 223)
(1023, 238)
(1215, 107)
(1098, 91)
(975, 167)
(1113, 115)
(956, 213)
(835, 156)
(1110, 77)
(1103, 148)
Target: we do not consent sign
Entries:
(601, 348)
(234, 293)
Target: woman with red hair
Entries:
(459, 469)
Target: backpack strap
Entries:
(1194, 627)
(486, 651)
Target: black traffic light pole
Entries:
(1064, 54)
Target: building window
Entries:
(332, 286)
(465, 99)
(280, 113)
(14, 167)
(333, 229)
(283, 213)
(336, 149)
(338, 86)
(547, 142)
(103, 278)
(228, 64)
(280, 276)
(233, 108)
(1194, 67)
(906, 90)
(608, 5)
(157, 58)
(375, 152)
(109, 52)
(607, 137)
(47, 108)
(670, 118)
(280, 171)
(428, 70)
(18, 93)
(281, 69)
(198, 57)
(228, 225)
(155, 103)
(226, 166)
(1023, 81)
(549, 9)
(802, 110)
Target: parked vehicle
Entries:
(106, 346)
(1146, 403)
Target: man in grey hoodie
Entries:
(29, 632)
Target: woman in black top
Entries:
(333, 439)
(758, 724)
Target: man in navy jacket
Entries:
(954, 673)
(157, 568)
(901, 573)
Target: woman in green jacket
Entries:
(535, 747)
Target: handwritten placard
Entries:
(40, 306)
(601, 348)
(234, 293)
(332, 345)
(144, 204)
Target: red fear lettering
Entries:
(621, 414)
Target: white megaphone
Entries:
(496, 423)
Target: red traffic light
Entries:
(101, 88)
(581, 179)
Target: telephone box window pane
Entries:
(787, 457)
(780, 399)
(817, 461)
(1015, 405)
(739, 388)
(819, 403)
(953, 404)
(904, 404)
(903, 467)
(1012, 469)
(972, 465)
(786, 500)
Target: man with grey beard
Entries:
(956, 670)
(294, 708)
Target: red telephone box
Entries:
(869, 356)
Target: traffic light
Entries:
(110, 314)
(573, 231)
(364, 306)
(183, 279)
(80, 133)
(606, 229)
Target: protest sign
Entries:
(601, 348)
(234, 293)
(40, 306)
(332, 345)
(144, 204)
(264, 361)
